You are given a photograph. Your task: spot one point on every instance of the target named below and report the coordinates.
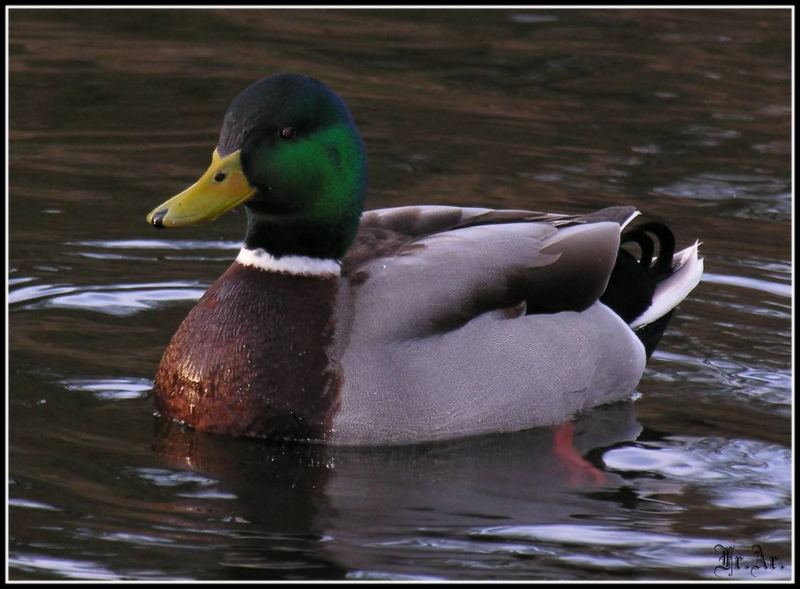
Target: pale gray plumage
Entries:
(408, 377)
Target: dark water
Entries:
(683, 113)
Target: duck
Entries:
(400, 325)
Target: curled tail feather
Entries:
(645, 291)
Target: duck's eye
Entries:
(287, 133)
(219, 177)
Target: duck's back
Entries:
(483, 328)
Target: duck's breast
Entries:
(251, 358)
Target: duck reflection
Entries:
(313, 511)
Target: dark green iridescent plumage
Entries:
(311, 184)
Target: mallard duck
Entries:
(406, 324)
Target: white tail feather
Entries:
(671, 291)
(634, 214)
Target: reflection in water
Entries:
(509, 501)
(382, 505)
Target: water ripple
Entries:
(769, 385)
(574, 535)
(757, 475)
(30, 504)
(781, 290)
(161, 244)
(162, 477)
(142, 249)
(607, 547)
(111, 389)
(111, 299)
(69, 568)
(748, 196)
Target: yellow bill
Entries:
(222, 187)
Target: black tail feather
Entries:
(633, 281)
(651, 333)
(662, 267)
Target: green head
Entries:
(290, 151)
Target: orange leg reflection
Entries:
(579, 470)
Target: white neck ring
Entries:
(297, 265)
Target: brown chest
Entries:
(252, 357)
